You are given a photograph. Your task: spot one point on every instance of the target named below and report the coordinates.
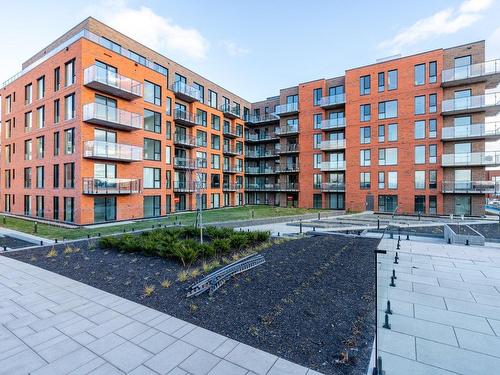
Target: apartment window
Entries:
(215, 142)
(8, 129)
(381, 81)
(419, 179)
(168, 155)
(55, 208)
(40, 117)
(69, 107)
(212, 98)
(152, 179)
(7, 179)
(28, 121)
(364, 180)
(381, 133)
(215, 122)
(420, 203)
(432, 103)
(215, 161)
(317, 95)
(419, 74)
(201, 90)
(55, 176)
(40, 87)
(317, 118)
(388, 109)
(69, 141)
(152, 206)
(432, 72)
(28, 94)
(69, 208)
(215, 200)
(152, 93)
(28, 149)
(317, 141)
(388, 156)
(432, 204)
(317, 179)
(419, 105)
(201, 116)
(152, 121)
(8, 154)
(40, 147)
(201, 138)
(433, 179)
(27, 178)
(365, 112)
(419, 154)
(69, 73)
(27, 205)
(392, 180)
(365, 135)
(392, 130)
(40, 177)
(420, 129)
(8, 104)
(364, 85)
(57, 111)
(432, 154)
(57, 79)
(432, 128)
(152, 149)
(365, 158)
(392, 79)
(215, 180)
(317, 161)
(69, 175)
(56, 143)
(381, 180)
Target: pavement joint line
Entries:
(423, 363)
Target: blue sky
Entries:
(256, 47)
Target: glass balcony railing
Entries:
(111, 151)
(231, 131)
(186, 92)
(333, 165)
(333, 123)
(184, 140)
(333, 100)
(470, 187)
(232, 168)
(229, 150)
(262, 187)
(110, 116)
(186, 118)
(289, 167)
(333, 186)
(261, 170)
(489, 158)
(489, 129)
(289, 129)
(230, 111)
(113, 83)
(291, 148)
(333, 144)
(231, 187)
(471, 71)
(288, 108)
(185, 163)
(262, 154)
(261, 137)
(289, 186)
(184, 186)
(95, 185)
(257, 119)
(471, 103)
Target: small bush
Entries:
(221, 245)
(186, 254)
(149, 290)
(109, 242)
(182, 276)
(52, 253)
(166, 283)
(238, 241)
(218, 233)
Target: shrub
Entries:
(109, 242)
(166, 283)
(238, 241)
(219, 233)
(149, 290)
(221, 245)
(52, 253)
(190, 232)
(186, 254)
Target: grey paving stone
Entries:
(89, 309)
(21, 363)
(284, 367)
(473, 308)
(66, 364)
(142, 370)
(131, 330)
(23, 331)
(127, 356)
(106, 343)
(42, 324)
(485, 289)
(204, 339)
(420, 298)
(443, 291)
(227, 368)
(75, 327)
(104, 316)
(184, 330)
(396, 343)
(170, 325)
(223, 349)
(252, 359)
(392, 365)
(9, 352)
(166, 360)
(487, 299)
(144, 335)
(199, 363)
(88, 367)
(42, 336)
(84, 338)
(106, 369)
(109, 327)
(495, 324)
(147, 315)
(157, 342)
(478, 342)
(58, 350)
(178, 371)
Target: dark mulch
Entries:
(462, 229)
(489, 231)
(312, 299)
(14, 243)
(424, 231)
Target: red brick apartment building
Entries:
(98, 127)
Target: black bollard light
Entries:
(99, 234)
(393, 284)
(300, 226)
(394, 273)
(314, 229)
(378, 224)
(467, 242)
(449, 240)
(407, 236)
(386, 322)
(41, 243)
(55, 240)
(388, 309)
(398, 247)
(4, 248)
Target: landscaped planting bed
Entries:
(490, 231)
(311, 302)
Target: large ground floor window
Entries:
(387, 203)
(152, 206)
(104, 209)
(335, 201)
(420, 204)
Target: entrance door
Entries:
(462, 205)
(369, 203)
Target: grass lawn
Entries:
(209, 216)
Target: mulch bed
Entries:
(14, 243)
(312, 300)
(489, 231)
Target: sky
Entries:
(254, 48)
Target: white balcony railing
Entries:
(471, 71)
(111, 116)
(489, 129)
(111, 151)
(333, 144)
(471, 102)
(114, 82)
(490, 158)
(333, 165)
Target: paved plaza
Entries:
(446, 309)
(50, 324)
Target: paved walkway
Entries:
(50, 324)
(446, 309)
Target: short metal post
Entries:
(388, 309)
(41, 243)
(4, 248)
(467, 242)
(449, 240)
(88, 236)
(314, 229)
(391, 235)
(398, 247)
(394, 273)
(99, 234)
(392, 282)
(35, 229)
(300, 226)
(386, 322)
(396, 258)
(319, 216)
(407, 236)
(378, 223)
(55, 239)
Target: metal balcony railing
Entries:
(186, 118)
(471, 71)
(333, 123)
(333, 100)
(185, 163)
(471, 103)
(262, 170)
(333, 165)
(258, 119)
(262, 187)
(231, 187)
(232, 168)
(289, 186)
(288, 108)
(186, 92)
(113, 83)
(291, 148)
(333, 186)
(230, 111)
(489, 129)
(333, 144)
(110, 116)
(184, 140)
(261, 137)
(95, 185)
(289, 167)
(111, 151)
(229, 150)
(489, 158)
(288, 129)
(231, 131)
(262, 154)
(471, 187)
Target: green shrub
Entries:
(190, 232)
(218, 233)
(109, 242)
(262, 235)
(238, 240)
(186, 254)
(221, 245)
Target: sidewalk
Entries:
(50, 324)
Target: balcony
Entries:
(185, 92)
(262, 170)
(113, 186)
(327, 166)
(333, 101)
(229, 111)
(262, 154)
(232, 151)
(111, 151)
(184, 186)
(100, 114)
(288, 109)
(488, 71)
(289, 167)
(262, 187)
(184, 141)
(101, 79)
(231, 132)
(487, 102)
(333, 144)
(487, 158)
(333, 123)
(289, 130)
(231, 187)
(289, 149)
(186, 118)
(264, 119)
(232, 169)
(262, 137)
(185, 163)
(289, 186)
(333, 187)
(471, 187)
(473, 131)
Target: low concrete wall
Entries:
(471, 236)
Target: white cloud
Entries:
(151, 29)
(233, 49)
(446, 21)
